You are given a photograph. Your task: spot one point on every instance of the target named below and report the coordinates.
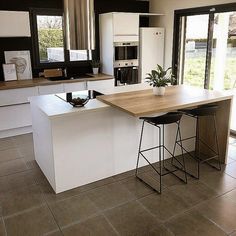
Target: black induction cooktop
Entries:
(90, 94)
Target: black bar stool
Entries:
(201, 111)
(160, 122)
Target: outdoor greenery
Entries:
(195, 71)
(49, 38)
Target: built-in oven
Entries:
(126, 75)
(125, 54)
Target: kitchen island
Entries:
(77, 146)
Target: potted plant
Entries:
(159, 79)
(95, 65)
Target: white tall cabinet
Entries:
(116, 27)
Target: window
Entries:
(48, 40)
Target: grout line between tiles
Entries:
(51, 211)
(24, 211)
(4, 226)
(112, 226)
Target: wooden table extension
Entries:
(144, 103)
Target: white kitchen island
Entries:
(77, 146)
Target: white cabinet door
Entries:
(14, 24)
(126, 24)
(17, 96)
(16, 116)
(72, 87)
(51, 89)
(101, 85)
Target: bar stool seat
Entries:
(203, 111)
(160, 122)
(169, 118)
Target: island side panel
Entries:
(82, 145)
(91, 146)
(223, 117)
(42, 136)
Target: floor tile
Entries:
(39, 221)
(222, 211)
(31, 164)
(19, 180)
(6, 143)
(110, 195)
(133, 219)
(193, 192)
(194, 224)
(219, 181)
(9, 154)
(52, 197)
(164, 205)
(73, 209)
(230, 169)
(231, 195)
(2, 228)
(124, 175)
(24, 139)
(96, 226)
(56, 233)
(26, 150)
(136, 187)
(232, 152)
(21, 199)
(12, 167)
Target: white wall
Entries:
(168, 7)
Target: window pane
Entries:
(195, 50)
(80, 55)
(50, 37)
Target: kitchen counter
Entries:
(54, 107)
(4, 85)
(140, 103)
(78, 146)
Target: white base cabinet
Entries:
(101, 84)
(15, 110)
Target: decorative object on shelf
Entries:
(95, 65)
(159, 79)
(22, 61)
(9, 71)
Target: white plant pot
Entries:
(95, 71)
(159, 91)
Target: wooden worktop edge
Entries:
(6, 85)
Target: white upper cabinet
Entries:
(126, 24)
(14, 24)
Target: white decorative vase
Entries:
(95, 71)
(159, 91)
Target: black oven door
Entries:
(120, 53)
(132, 53)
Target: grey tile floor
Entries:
(120, 205)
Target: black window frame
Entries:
(211, 10)
(34, 12)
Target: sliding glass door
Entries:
(205, 50)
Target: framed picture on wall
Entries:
(22, 61)
(9, 71)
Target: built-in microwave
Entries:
(126, 54)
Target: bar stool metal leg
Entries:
(139, 149)
(161, 146)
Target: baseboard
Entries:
(15, 132)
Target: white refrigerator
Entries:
(151, 50)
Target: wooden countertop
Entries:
(42, 81)
(140, 103)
